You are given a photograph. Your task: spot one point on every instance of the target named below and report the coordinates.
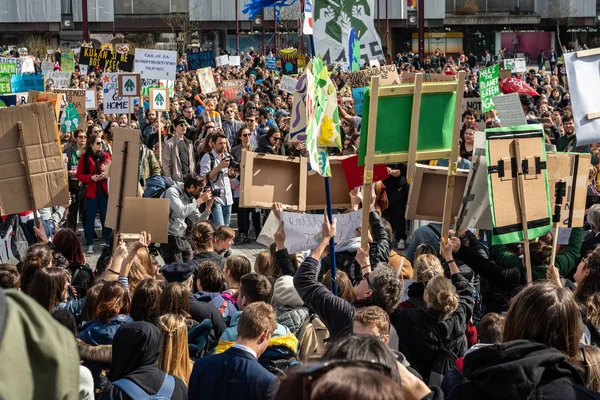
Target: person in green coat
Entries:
(540, 256)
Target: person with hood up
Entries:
(134, 374)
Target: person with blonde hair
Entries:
(174, 357)
(427, 266)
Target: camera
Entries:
(232, 163)
(213, 191)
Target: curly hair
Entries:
(387, 288)
(588, 290)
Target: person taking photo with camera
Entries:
(184, 203)
(216, 167)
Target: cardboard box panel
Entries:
(44, 153)
(315, 188)
(426, 196)
(148, 215)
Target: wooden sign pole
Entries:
(28, 174)
(521, 191)
(559, 192)
(159, 116)
(120, 204)
(369, 162)
(414, 127)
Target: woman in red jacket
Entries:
(90, 173)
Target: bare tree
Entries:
(184, 20)
(560, 11)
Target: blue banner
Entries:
(27, 82)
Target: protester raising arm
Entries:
(335, 312)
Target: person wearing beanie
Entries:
(288, 305)
(178, 153)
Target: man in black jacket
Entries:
(381, 287)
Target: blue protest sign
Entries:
(271, 63)
(27, 82)
(8, 100)
(201, 59)
(357, 95)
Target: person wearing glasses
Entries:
(231, 124)
(178, 153)
(73, 152)
(91, 173)
(271, 143)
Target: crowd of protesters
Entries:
(191, 320)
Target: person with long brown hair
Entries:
(49, 287)
(174, 357)
(145, 301)
(587, 293)
(111, 310)
(38, 256)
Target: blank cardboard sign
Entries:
(569, 168)
(426, 196)
(147, 215)
(117, 173)
(48, 175)
(315, 188)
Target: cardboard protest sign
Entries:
(58, 79)
(8, 68)
(297, 132)
(146, 215)
(509, 110)
(67, 62)
(388, 75)
(46, 66)
(28, 65)
(123, 168)
(25, 83)
(233, 89)
(106, 59)
(475, 206)
(289, 59)
(409, 77)
(488, 87)
(44, 158)
(22, 97)
(234, 61)
(474, 103)
(156, 64)
(39, 97)
(5, 84)
(572, 170)
(510, 149)
(303, 231)
(222, 60)
(584, 84)
(271, 63)
(504, 73)
(113, 103)
(515, 64)
(355, 175)
(315, 188)
(159, 100)
(202, 59)
(8, 100)
(426, 195)
(76, 97)
(129, 85)
(90, 100)
(207, 81)
(288, 84)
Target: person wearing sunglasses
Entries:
(178, 153)
(73, 152)
(271, 143)
(91, 173)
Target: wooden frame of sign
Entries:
(416, 90)
(121, 83)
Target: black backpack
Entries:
(444, 362)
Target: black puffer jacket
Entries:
(520, 370)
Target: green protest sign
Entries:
(67, 62)
(488, 87)
(5, 84)
(8, 68)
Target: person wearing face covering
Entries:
(135, 355)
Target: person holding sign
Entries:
(91, 172)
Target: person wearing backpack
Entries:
(433, 338)
(133, 372)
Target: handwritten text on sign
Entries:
(303, 231)
(488, 87)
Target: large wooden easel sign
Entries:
(518, 185)
(409, 123)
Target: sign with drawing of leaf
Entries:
(70, 118)
(159, 99)
(129, 85)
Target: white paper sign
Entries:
(222, 60)
(83, 69)
(112, 102)
(130, 85)
(288, 84)
(58, 79)
(515, 64)
(90, 100)
(47, 66)
(303, 231)
(156, 64)
(374, 63)
(28, 66)
(267, 234)
(158, 100)
(475, 211)
(584, 86)
(509, 110)
(234, 61)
